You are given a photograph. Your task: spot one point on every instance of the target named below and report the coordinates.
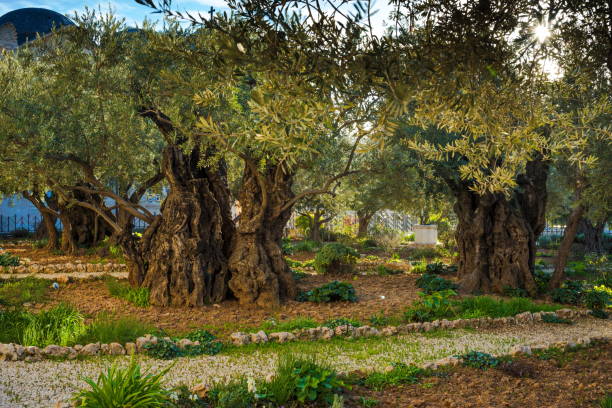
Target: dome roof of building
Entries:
(27, 23)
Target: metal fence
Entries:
(25, 223)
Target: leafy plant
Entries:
(570, 293)
(432, 283)
(423, 253)
(433, 306)
(298, 275)
(335, 258)
(6, 259)
(419, 267)
(515, 292)
(439, 268)
(62, 325)
(400, 374)
(128, 387)
(306, 246)
(542, 280)
(286, 246)
(122, 290)
(379, 320)
(314, 382)
(235, 394)
(477, 359)
(209, 344)
(163, 349)
(382, 270)
(600, 297)
(330, 292)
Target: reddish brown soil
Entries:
(580, 382)
(92, 297)
(44, 257)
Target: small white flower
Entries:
(241, 48)
(251, 385)
(382, 296)
(193, 397)
(174, 396)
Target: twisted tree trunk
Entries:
(593, 235)
(496, 235)
(182, 255)
(260, 274)
(47, 229)
(363, 217)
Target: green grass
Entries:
(400, 374)
(20, 291)
(62, 326)
(487, 306)
(108, 329)
(606, 402)
(122, 290)
(12, 323)
(297, 323)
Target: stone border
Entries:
(69, 267)
(16, 352)
(326, 333)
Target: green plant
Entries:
(379, 320)
(20, 291)
(570, 293)
(419, 267)
(367, 243)
(128, 387)
(163, 349)
(7, 259)
(432, 283)
(314, 382)
(553, 318)
(542, 280)
(477, 359)
(306, 246)
(600, 297)
(286, 246)
(235, 394)
(433, 306)
(12, 323)
(62, 325)
(298, 275)
(333, 323)
(335, 258)
(439, 268)
(423, 253)
(182, 397)
(480, 306)
(606, 402)
(330, 292)
(367, 402)
(400, 374)
(108, 329)
(40, 243)
(137, 296)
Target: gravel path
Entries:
(42, 384)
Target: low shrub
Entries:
(335, 258)
(163, 349)
(298, 275)
(299, 264)
(400, 374)
(286, 246)
(542, 279)
(124, 387)
(515, 292)
(432, 283)
(379, 320)
(477, 359)
(62, 326)
(109, 329)
(367, 243)
(235, 394)
(569, 293)
(419, 267)
(20, 291)
(330, 292)
(122, 290)
(314, 382)
(333, 323)
(436, 305)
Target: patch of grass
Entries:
(272, 325)
(137, 296)
(12, 323)
(606, 402)
(400, 374)
(330, 292)
(20, 291)
(491, 307)
(341, 321)
(108, 329)
(62, 326)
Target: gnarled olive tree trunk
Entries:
(593, 235)
(363, 218)
(182, 255)
(260, 274)
(496, 235)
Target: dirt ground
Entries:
(578, 383)
(389, 294)
(45, 257)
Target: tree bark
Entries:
(363, 219)
(182, 255)
(593, 235)
(260, 274)
(496, 235)
(569, 235)
(49, 216)
(315, 227)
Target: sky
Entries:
(133, 12)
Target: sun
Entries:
(541, 32)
